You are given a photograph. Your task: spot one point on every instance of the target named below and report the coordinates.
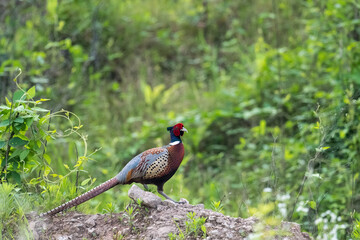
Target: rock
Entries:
(164, 231)
(211, 218)
(168, 202)
(183, 200)
(91, 221)
(161, 207)
(294, 228)
(148, 199)
(229, 235)
(220, 220)
(200, 206)
(156, 221)
(215, 233)
(63, 238)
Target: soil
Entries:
(157, 219)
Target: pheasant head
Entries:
(175, 132)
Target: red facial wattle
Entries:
(177, 129)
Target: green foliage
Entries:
(23, 131)
(139, 202)
(130, 214)
(194, 227)
(269, 91)
(27, 178)
(174, 236)
(269, 222)
(7, 213)
(217, 206)
(12, 213)
(356, 228)
(118, 236)
(109, 208)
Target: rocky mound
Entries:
(151, 218)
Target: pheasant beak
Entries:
(184, 129)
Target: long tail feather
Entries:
(84, 197)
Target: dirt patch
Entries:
(163, 220)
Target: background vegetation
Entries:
(269, 91)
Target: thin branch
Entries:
(77, 171)
(7, 155)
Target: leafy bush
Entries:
(27, 177)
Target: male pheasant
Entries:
(154, 166)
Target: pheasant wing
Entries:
(146, 165)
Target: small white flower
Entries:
(282, 209)
(267, 189)
(283, 197)
(302, 209)
(318, 221)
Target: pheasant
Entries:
(153, 166)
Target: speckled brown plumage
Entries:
(157, 168)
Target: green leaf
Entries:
(16, 153)
(5, 123)
(17, 142)
(42, 100)
(47, 158)
(15, 176)
(47, 171)
(31, 92)
(40, 109)
(19, 120)
(2, 144)
(203, 228)
(147, 94)
(85, 182)
(38, 143)
(66, 166)
(51, 8)
(18, 95)
(29, 121)
(356, 176)
(18, 126)
(24, 154)
(312, 204)
(5, 108)
(8, 103)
